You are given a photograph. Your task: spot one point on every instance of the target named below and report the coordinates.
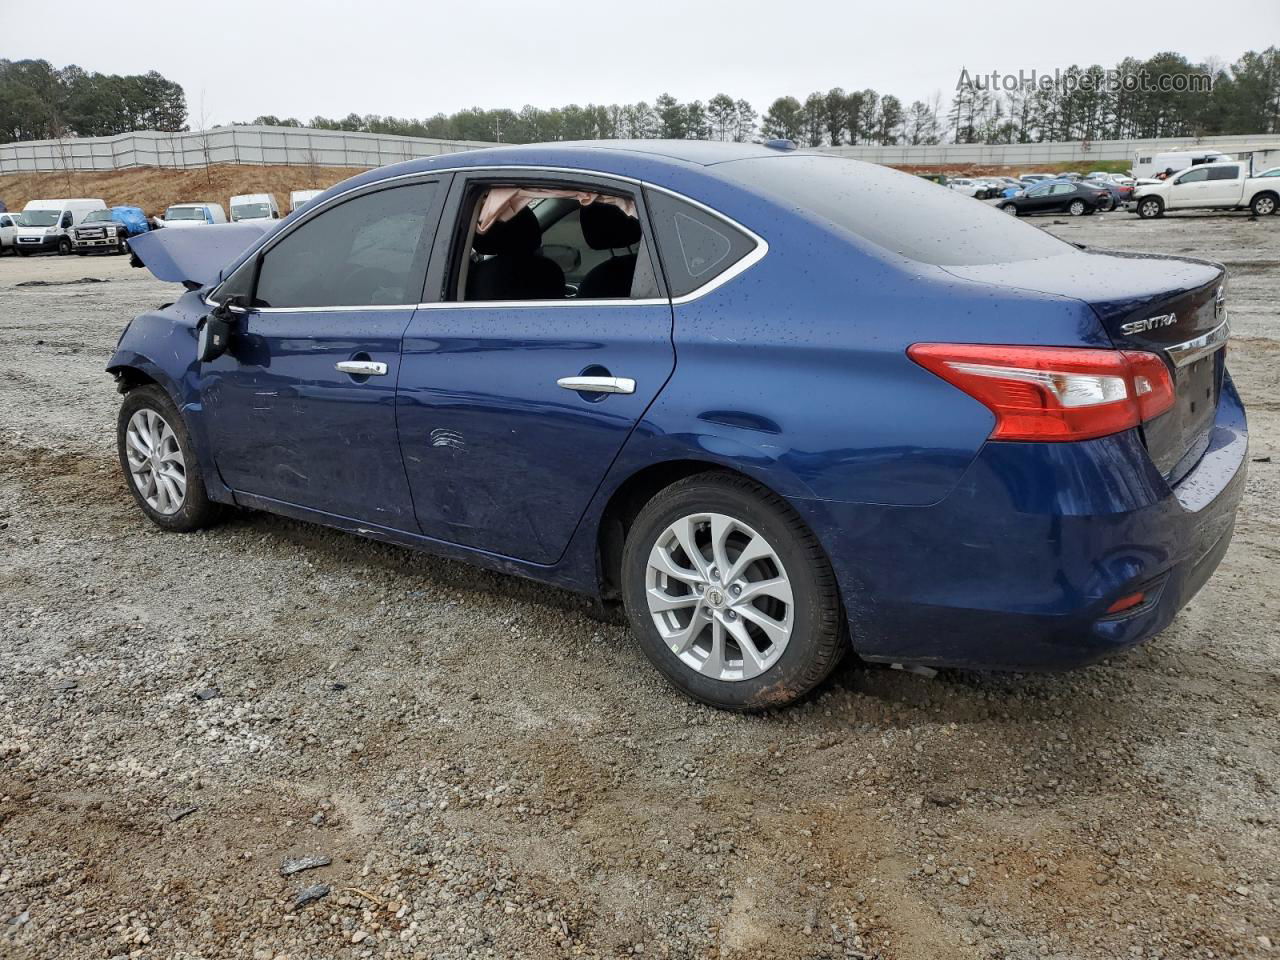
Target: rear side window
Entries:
(1223, 173)
(368, 251)
(895, 211)
(696, 246)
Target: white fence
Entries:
(300, 146)
(1030, 154)
(297, 146)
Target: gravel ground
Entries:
(480, 770)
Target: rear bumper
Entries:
(1016, 568)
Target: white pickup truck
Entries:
(1221, 186)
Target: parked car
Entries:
(98, 232)
(300, 198)
(1036, 177)
(1216, 186)
(970, 188)
(1059, 196)
(47, 224)
(9, 223)
(1021, 455)
(194, 214)
(254, 206)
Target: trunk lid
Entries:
(1170, 306)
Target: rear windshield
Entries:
(901, 213)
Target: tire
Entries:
(1010, 208)
(64, 247)
(195, 509)
(1264, 205)
(1077, 208)
(20, 252)
(82, 253)
(1150, 207)
(784, 668)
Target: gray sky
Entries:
(416, 58)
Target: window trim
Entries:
(312, 209)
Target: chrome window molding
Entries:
(751, 259)
(1190, 351)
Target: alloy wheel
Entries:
(156, 463)
(719, 596)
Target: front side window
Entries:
(66, 219)
(555, 242)
(368, 251)
(1038, 192)
(1193, 176)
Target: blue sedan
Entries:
(778, 406)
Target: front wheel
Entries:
(1263, 205)
(64, 247)
(159, 463)
(1077, 208)
(730, 595)
(1150, 207)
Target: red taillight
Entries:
(1127, 603)
(1054, 393)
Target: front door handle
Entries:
(361, 368)
(598, 384)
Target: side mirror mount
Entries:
(214, 331)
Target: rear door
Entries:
(1225, 184)
(517, 390)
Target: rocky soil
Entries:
(477, 769)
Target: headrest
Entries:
(521, 235)
(606, 227)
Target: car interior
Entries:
(550, 245)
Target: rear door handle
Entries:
(361, 368)
(598, 384)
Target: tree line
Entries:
(41, 102)
(38, 101)
(1217, 99)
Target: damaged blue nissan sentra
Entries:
(779, 406)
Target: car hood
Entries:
(196, 257)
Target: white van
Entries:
(254, 206)
(194, 215)
(300, 198)
(1148, 165)
(46, 224)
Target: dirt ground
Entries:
(155, 189)
(490, 773)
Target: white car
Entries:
(1209, 186)
(9, 223)
(194, 215)
(300, 198)
(970, 188)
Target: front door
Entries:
(301, 409)
(1189, 188)
(519, 388)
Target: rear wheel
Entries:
(1150, 207)
(1010, 209)
(1263, 205)
(730, 595)
(159, 463)
(1077, 208)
